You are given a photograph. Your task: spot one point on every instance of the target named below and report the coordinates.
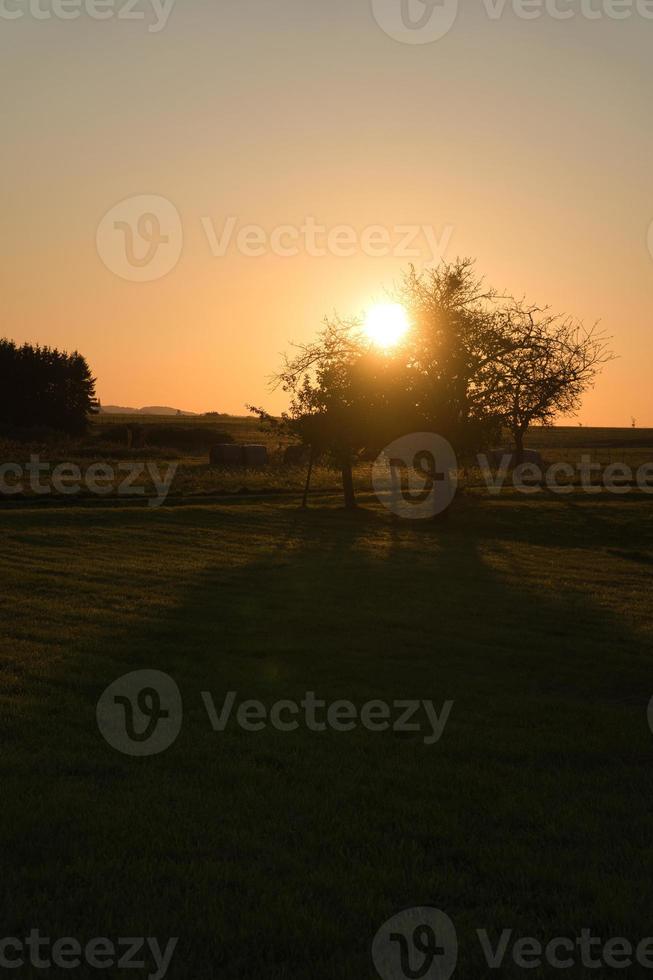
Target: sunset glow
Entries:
(386, 324)
(313, 185)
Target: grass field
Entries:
(279, 855)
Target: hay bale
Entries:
(226, 454)
(255, 455)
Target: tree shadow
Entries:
(310, 840)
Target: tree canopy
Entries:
(472, 362)
(42, 386)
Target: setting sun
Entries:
(386, 324)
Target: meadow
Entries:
(279, 855)
(195, 478)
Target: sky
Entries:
(165, 169)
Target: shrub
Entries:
(186, 438)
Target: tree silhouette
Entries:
(553, 363)
(345, 396)
(41, 386)
(483, 360)
(473, 361)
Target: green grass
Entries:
(279, 855)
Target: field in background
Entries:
(184, 443)
(605, 445)
(247, 428)
(234, 424)
(555, 443)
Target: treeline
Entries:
(42, 386)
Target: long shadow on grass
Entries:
(283, 852)
(509, 822)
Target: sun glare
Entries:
(386, 324)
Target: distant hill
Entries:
(148, 410)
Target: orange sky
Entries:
(526, 143)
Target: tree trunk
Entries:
(519, 446)
(308, 478)
(348, 482)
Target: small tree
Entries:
(345, 396)
(554, 361)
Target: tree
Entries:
(344, 396)
(484, 360)
(458, 331)
(473, 360)
(41, 386)
(547, 373)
